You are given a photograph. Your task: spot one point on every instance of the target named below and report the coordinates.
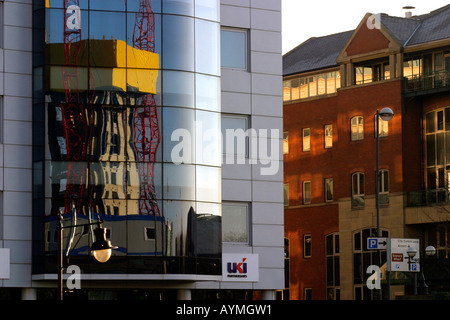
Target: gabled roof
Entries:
(322, 52)
(433, 26)
(315, 53)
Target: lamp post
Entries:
(101, 248)
(385, 114)
(429, 251)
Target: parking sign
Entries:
(376, 243)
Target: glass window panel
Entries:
(306, 192)
(329, 189)
(387, 71)
(447, 147)
(177, 213)
(438, 61)
(361, 183)
(328, 136)
(108, 140)
(312, 86)
(286, 193)
(286, 90)
(304, 90)
(208, 184)
(235, 222)
(208, 138)
(321, 84)
(440, 120)
(54, 37)
(207, 47)
(235, 142)
(407, 68)
(143, 51)
(141, 136)
(185, 7)
(306, 139)
(338, 79)
(307, 245)
(112, 5)
(331, 82)
(178, 89)
(295, 89)
(440, 151)
(431, 178)
(136, 171)
(430, 124)
(207, 9)
(107, 85)
(285, 142)
(107, 39)
(431, 150)
(178, 135)
(106, 180)
(234, 48)
(178, 181)
(441, 178)
(359, 75)
(329, 244)
(133, 6)
(178, 47)
(140, 83)
(207, 92)
(367, 74)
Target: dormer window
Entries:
(371, 72)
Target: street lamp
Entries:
(385, 114)
(101, 248)
(429, 251)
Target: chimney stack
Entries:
(408, 14)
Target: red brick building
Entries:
(333, 87)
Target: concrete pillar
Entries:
(343, 72)
(29, 294)
(184, 294)
(268, 295)
(350, 74)
(399, 59)
(393, 66)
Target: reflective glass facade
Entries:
(113, 81)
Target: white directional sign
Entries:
(403, 255)
(376, 243)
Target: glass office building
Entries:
(126, 101)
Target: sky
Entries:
(303, 19)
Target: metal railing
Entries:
(428, 81)
(424, 198)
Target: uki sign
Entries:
(240, 267)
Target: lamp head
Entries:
(101, 248)
(430, 251)
(411, 252)
(386, 114)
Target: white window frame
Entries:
(306, 198)
(285, 142)
(306, 140)
(286, 193)
(246, 131)
(305, 237)
(246, 49)
(326, 184)
(328, 136)
(247, 207)
(359, 125)
(359, 191)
